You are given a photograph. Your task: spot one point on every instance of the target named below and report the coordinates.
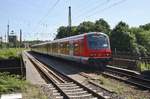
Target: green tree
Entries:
(121, 27)
(143, 38)
(145, 27)
(61, 32)
(74, 31)
(86, 27)
(102, 26)
(135, 30)
(121, 38)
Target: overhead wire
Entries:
(93, 8)
(48, 12)
(106, 8)
(86, 5)
(102, 10)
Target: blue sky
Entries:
(39, 19)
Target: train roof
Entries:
(69, 38)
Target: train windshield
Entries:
(97, 41)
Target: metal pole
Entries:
(1, 41)
(8, 35)
(20, 37)
(69, 21)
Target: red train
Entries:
(89, 48)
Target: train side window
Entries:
(81, 45)
(50, 46)
(67, 47)
(76, 48)
(61, 47)
(76, 44)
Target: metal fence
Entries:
(129, 61)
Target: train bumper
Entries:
(97, 60)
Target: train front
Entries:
(98, 49)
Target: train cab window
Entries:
(97, 41)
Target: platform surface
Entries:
(32, 74)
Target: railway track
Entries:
(127, 76)
(96, 85)
(61, 86)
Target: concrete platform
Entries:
(63, 67)
(32, 74)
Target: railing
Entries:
(130, 61)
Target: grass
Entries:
(144, 66)
(10, 83)
(32, 92)
(14, 83)
(10, 53)
(125, 90)
(106, 82)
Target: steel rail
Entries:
(140, 80)
(126, 81)
(129, 75)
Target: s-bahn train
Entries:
(89, 48)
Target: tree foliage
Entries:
(99, 26)
(62, 32)
(86, 27)
(102, 26)
(145, 27)
(121, 27)
(121, 38)
(143, 39)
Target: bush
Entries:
(144, 66)
(10, 53)
(10, 83)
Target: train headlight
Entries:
(107, 54)
(92, 55)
